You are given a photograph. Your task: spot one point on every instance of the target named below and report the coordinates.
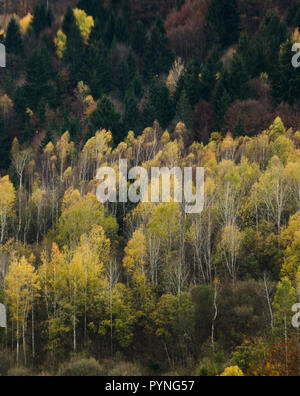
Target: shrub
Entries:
(81, 368)
(5, 363)
(233, 371)
(19, 372)
(207, 368)
(124, 369)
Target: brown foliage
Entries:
(290, 115)
(148, 10)
(256, 116)
(185, 28)
(252, 13)
(22, 7)
(281, 359)
(203, 121)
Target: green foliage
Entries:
(13, 40)
(105, 117)
(42, 18)
(271, 34)
(158, 57)
(131, 117)
(80, 218)
(97, 71)
(223, 21)
(148, 282)
(286, 80)
(39, 80)
(160, 105)
(293, 17)
(138, 38)
(5, 144)
(184, 110)
(74, 55)
(68, 21)
(81, 368)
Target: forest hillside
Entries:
(145, 288)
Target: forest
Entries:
(124, 289)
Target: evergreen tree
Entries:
(21, 103)
(72, 124)
(5, 143)
(208, 76)
(160, 100)
(95, 8)
(122, 29)
(149, 115)
(293, 17)
(272, 33)
(131, 111)
(238, 79)
(47, 138)
(96, 35)
(69, 21)
(110, 29)
(245, 51)
(104, 117)
(14, 41)
(184, 110)
(74, 56)
(123, 78)
(41, 109)
(138, 38)
(221, 102)
(97, 71)
(158, 58)
(42, 18)
(137, 86)
(239, 129)
(192, 82)
(27, 134)
(39, 78)
(132, 65)
(127, 71)
(223, 22)
(286, 79)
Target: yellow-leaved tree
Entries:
(233, 371)
(7, 201)
(21, 288)
(84, 22)
(60, 42)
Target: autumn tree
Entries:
(21, 288)
(7, 201)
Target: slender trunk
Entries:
(168, 356)
(32, 334)
(269, 302)
(111, 323)
(24, 344)
(74, 324)
(286, 346)
(74, 332)
(18, 344)
(215, 316)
